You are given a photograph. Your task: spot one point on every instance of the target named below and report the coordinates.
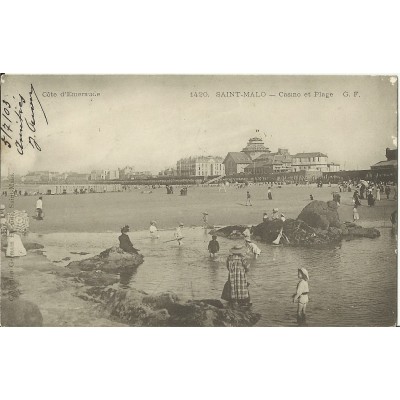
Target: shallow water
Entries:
(350, 285)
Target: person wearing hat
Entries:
(237, 266)
(275, 214)
(153, 230)
(265, 217)
(178, 233)
(252, 248)
(301, 295)
(125, 242)
(213, 246)
(283, 218)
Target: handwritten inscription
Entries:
(18, 129)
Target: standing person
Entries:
(378, 193)
(301, 295)
(356, 199)
(205, 219)
(269, 194)
(237, 266)
(311, 197)
(248, 199)
(252, 248)
(125, 242)
(39, 208)
(370, 198)
(356, 216)
(213, 246)
(178, 233)
(387, 191)
(153, 230)
(265, 217)
(283, 218)
(247, 232)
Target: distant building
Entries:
(104, 174)
(126, 172)
(255, 147)
(168, 172)
(112, 175)
(200, 166)
(74, 177)
(333, 167)
(40, 176)
(98, 175)
(236, 162)
(389, 165)
(310, 162)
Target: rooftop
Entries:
(239, 157)
(304, 155)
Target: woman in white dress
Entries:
(15, 248)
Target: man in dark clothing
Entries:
(125, 242)
(213, 246)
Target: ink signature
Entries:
(10, 127)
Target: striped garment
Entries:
(236, 265)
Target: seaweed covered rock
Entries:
(320, 214)
(112, 260)
(138, 308)
(351, 230)
(268, 231)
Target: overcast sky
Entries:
(151, 121)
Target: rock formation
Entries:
(137, 308)
(317, 224)
(19, 312)
(112, 260)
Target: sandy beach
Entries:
(41, 281)
(110, 211)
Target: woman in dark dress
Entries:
(125, 242)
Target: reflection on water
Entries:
(350, 285)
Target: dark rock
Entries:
(20, 312)
(319, 214)
(112, 260)
(230, 232)
(137, 308)
(359, 231)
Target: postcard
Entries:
(198, 201)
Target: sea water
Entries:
(353, 284)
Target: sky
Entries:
(150, 122)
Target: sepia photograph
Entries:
(199, 201)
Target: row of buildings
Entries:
(255, 159)
(126, 173)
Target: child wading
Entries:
(248, 199)
(178, 234)
(153, 230)
(213, 246)
(301, 295)
(356, 216)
